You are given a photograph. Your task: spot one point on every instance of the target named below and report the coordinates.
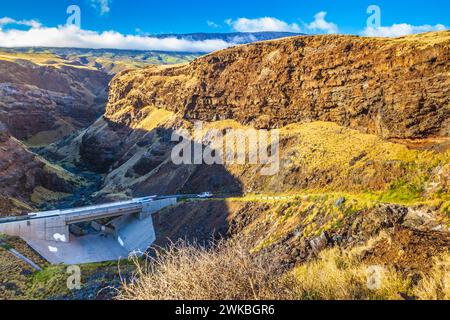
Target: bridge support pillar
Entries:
(57, 230)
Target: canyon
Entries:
(385, 94)
(364, 144)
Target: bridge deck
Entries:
(87, 213)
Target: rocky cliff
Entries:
(43, 103)
(394, 88)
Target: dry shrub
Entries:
(228, 271)
(223, 271)
(436, 284)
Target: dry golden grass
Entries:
(155, 118)
(337, 275)
(436, 285)
(193, 272)
(229, 272)
(42, 195)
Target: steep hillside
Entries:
(314, 156)
(394, 88)
(43, 103)
(27, 180)
(299, 227)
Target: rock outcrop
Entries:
(394, 88)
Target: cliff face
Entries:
(26, 179)
(394, 88)
(41, 104)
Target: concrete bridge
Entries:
(114, 230)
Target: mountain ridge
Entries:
(232, 37)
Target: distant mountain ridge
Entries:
(233, 37)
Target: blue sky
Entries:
(140, 17)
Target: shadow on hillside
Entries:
(193, 222)
(154, 173)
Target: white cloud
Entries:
(262, 24)
(398, 30)
(71, 36)
(103, 6)
(212, 24)
(29, 23)
(321, 25)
